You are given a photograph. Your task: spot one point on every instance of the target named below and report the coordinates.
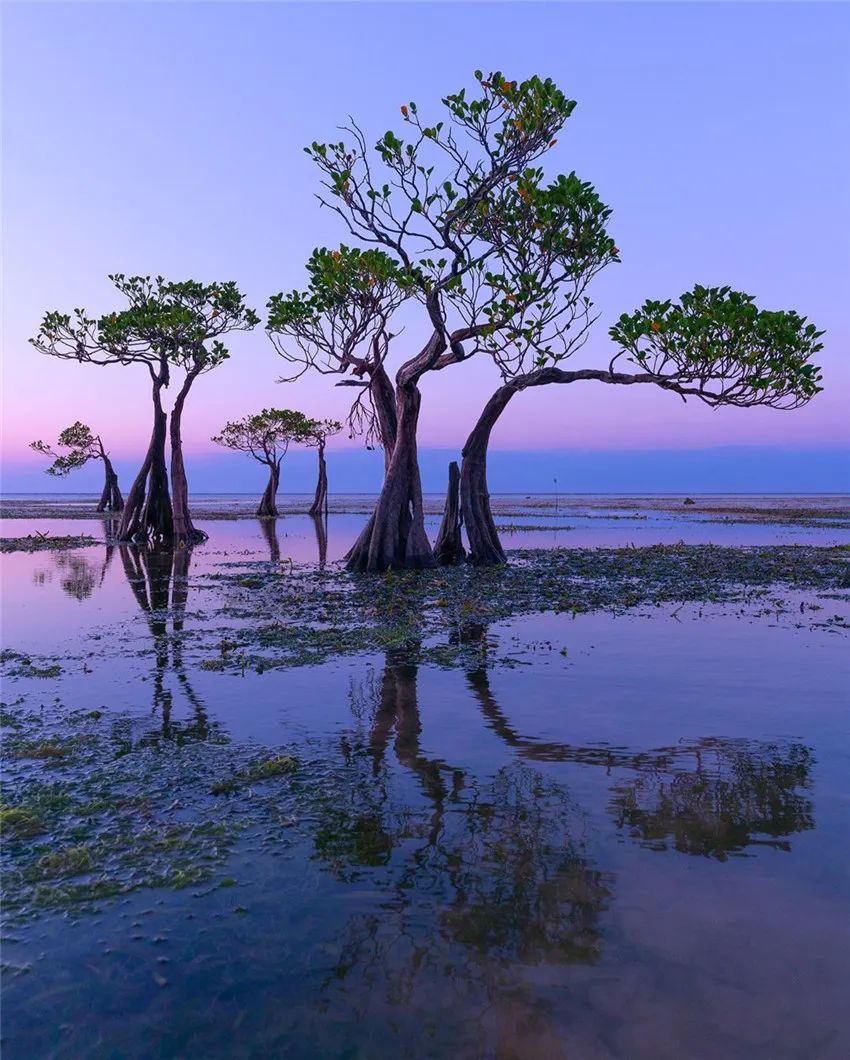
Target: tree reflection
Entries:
(711, 796)
(78, 575)
(268, 528)
(320, 524)
(478, 877)
(159, 580)
(717, 797)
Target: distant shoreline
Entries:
(13, 496)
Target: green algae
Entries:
(46, 543)
(306, 616)
(263, 769)
(102, 813)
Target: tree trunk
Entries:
(320, 501)
(395, 535)
(448, 548)
(111, 499)
(268, 502)
(485, 549)
(384, 403)
(185, 532)
(148, 514)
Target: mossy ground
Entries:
(303, 615)
(46, 543)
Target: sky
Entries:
(167, 138)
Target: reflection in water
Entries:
(466, 899)
(159, 581)
(268, 528)
(79, 578)
(712, 796)
(269, 531)
(482, 878)
(320, 524)
(716, 797)
(479, 877)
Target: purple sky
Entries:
(166, 138)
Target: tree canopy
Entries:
(82, 446)
(180, 323)
(461, 219)
(267, 434)
(717, 345)
(320, 430)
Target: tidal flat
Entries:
(593, 804)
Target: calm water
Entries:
(633, 843)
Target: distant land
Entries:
(734, 469)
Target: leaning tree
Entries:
(267, 437)
(317, 436)
(81, 446)
(714, 345)
(443, 216)
(165, 326)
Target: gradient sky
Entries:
(166, 138)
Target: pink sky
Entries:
(717, 133)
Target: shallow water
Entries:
(632, 842)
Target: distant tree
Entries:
(317, 435)
(714, 345)
(165, 326)
(266, 437)
(82, 446)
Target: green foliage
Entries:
(268, 434)
(552, 240)
(81, 444)
(343, 280)
(176, 323)
(337, 321)
(320, 430)
(728, 351)
(500, 257)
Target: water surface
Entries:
(600, 836)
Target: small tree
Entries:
(81, 446)
(165, 326)
(714, 345)
(317, 435)
(266, 437)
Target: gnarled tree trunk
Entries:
(268, 502)
(384, 403)
(111, 499)
(484, 545)
(148, 514)
(448, 548)
(485, 549)
(320, 500)
(185, 532)
(395, 535)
